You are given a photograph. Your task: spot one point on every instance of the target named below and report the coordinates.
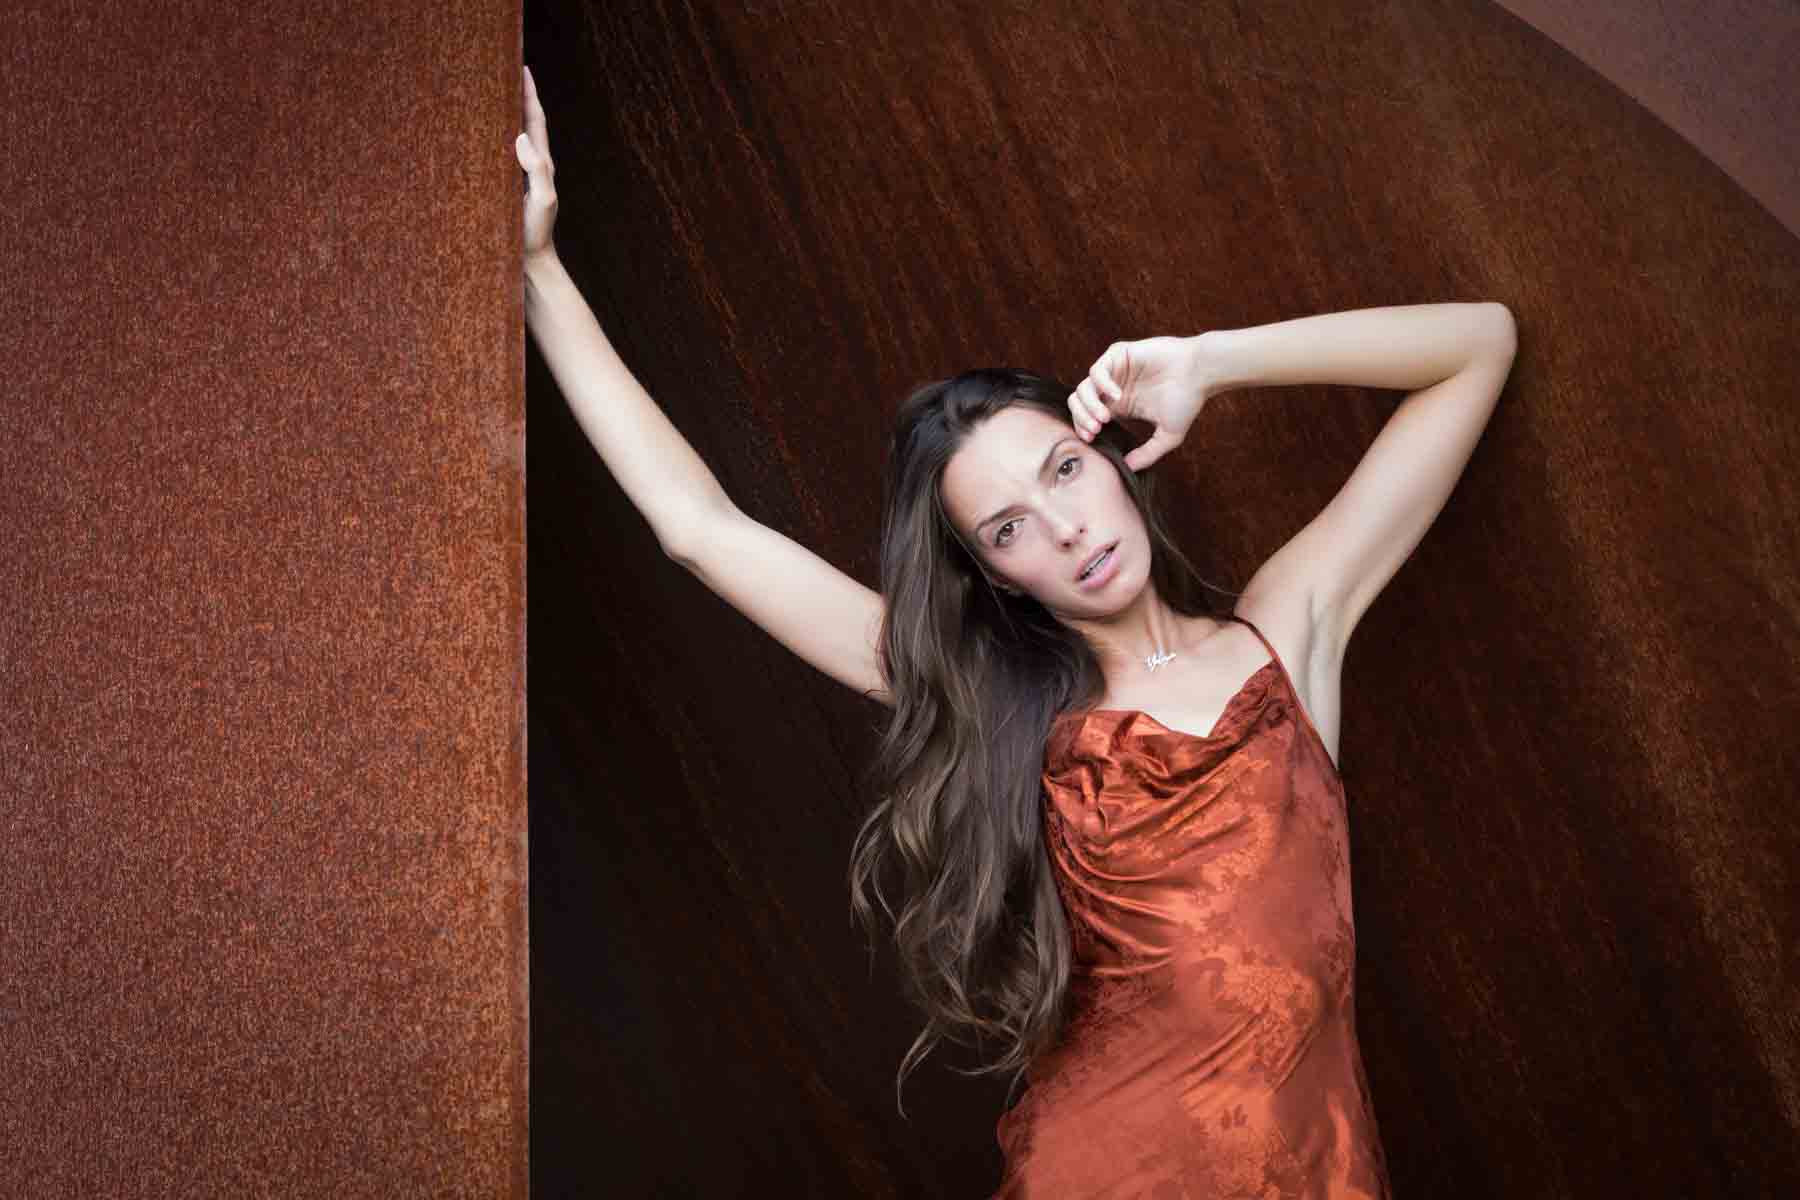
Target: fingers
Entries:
(1102, 373)
(536, 129)
(1087, 412)
(1095, 399)
(536, 167)
(533, 150)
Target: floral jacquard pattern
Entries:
(1211, 1051)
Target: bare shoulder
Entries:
(1313, 660)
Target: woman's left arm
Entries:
(1452, 358)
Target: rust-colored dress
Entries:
(1211, 1050)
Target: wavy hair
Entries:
(977, 676)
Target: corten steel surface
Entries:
(262, 922)
(1568, 731)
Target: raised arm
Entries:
(1451, 358)
(812, 608)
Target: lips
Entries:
(1084, 574)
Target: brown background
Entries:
(260, 762)
(262, 918)
(1568, 720)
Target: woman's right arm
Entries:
(812, 608)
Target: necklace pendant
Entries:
(1156, 660)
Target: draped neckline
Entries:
(1221, 727)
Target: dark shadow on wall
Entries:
(1567, 720)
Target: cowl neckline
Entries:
(1110, 732)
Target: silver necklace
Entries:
(1156, 660)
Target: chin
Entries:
(1133, 587)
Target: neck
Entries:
(1148, 627)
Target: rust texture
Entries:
(262, 752)
(1567, 739)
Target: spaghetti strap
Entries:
(1299, 704)
(1217, 866)
(1265, 641)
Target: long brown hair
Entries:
(977, 676)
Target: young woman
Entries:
(1116, 815)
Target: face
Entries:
(1036, 503)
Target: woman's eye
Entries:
(1000, 538)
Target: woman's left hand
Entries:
(1158, 380)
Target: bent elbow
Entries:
(1505, 329)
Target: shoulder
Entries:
(1285, 618)
(1291, 622)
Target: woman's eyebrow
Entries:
(1042, 467)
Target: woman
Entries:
(1117, 816)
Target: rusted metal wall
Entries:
(262, 924)
(1567, 732)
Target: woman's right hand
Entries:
(533, 149)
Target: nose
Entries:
(1066, 526)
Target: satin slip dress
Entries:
(1211, 1047)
